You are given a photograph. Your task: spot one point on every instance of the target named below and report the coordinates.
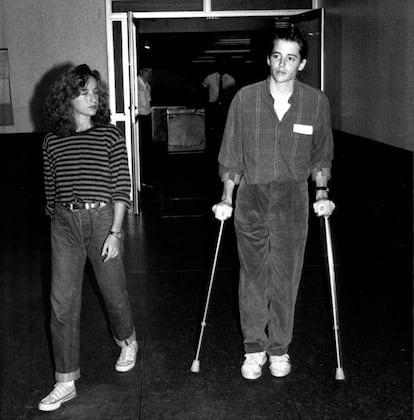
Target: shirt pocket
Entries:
(303, 132)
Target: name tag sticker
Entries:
(302, 129)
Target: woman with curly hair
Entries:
(87, 187)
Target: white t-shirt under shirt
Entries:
(281, 104)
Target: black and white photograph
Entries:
(207, 209)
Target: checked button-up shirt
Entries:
(262, 149)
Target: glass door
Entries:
(127, 31)
(312, 26)
(133, 110)
(122, 81)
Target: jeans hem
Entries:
(277, 352)
(128, 341)
(249, 348)
(66, 377)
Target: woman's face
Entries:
(86, 104)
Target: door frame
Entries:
(129, 66)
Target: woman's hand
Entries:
(111, 247)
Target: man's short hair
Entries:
(291, 33)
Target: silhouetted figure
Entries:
(220, 90)
(145, 125)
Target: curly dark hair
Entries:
(68, 86)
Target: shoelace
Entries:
(127, 354)
(283, 358)
(253, 358)
(59, 391)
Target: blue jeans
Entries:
(76, 235)
(271, 224)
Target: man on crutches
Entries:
(278, 132)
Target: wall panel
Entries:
(260, 4)
(197, 5)
(369, 68)
(43, 36)
(157, 6)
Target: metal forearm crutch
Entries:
(195, 366)
(339, 370)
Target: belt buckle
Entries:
(94, 205)
(76, 206)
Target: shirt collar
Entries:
(293, 98)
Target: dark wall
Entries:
(21, 176)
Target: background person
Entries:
(220, 88)
(145, 125)
(277, 133)
(87, 187)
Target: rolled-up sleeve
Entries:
(121, 181)
(231, 152)
(322, 150)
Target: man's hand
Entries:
(222, 210)
(323, 207)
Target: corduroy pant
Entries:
(76, 235)
(271, 224)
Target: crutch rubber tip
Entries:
(195, 367)
(339, 376)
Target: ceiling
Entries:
(201, 41)
(200, 48)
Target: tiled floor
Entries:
(168, 260)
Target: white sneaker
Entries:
(61, 393)
(279, 365)
(252, 365)
(127, 358)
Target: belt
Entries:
(84, 205)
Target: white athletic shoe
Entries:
(279, 366)
(61, 393)
(127, 358)
(252, 365)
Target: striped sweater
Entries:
(87, 166)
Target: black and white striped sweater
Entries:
(88, 166)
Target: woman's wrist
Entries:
(115, 234)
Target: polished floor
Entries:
(168, 256)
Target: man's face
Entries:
(146, 74)
(285, 61)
